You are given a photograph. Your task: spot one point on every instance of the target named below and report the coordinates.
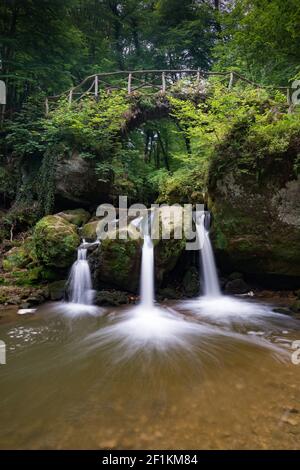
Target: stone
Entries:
(168, 293)
(77, 217)
(297, 293)
(34, 300)
(57, 290)
(256, 224)
(18, 257)
(76, 182)
(295, 307)
(89, 230)
(111, 298)
(55, 241)
(282, 310)
(237, 286)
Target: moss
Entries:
(89, 231)
(77, 217)
(28, 277)
(19, 256)
(55, 241)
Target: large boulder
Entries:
(117, 262)
(77, 217)
(76, 182)
(55, 241)
(256, 227)
(89, 230)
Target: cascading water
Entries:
(210, 278)
(147, 273)
(80, 282)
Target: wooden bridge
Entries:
(151, 81)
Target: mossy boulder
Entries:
(89, 230)
(77, 217)
(255, 230)
(55, 241)
(117, 262)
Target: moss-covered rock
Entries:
(18, 257)
(256, 227)
(89, 230)
(117, 262)
(77, 217)
(55, 241)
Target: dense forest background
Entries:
(48, 45)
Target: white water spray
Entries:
(80, 281)
(210, 278)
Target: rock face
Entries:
(256, 226)
(55, 241)
(77, 183)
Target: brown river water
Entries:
(194, 375)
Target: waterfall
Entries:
(80, 282)
(209, 271)
(147, 273)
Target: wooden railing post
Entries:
(163, 79)
(96, 86)
(129, 83)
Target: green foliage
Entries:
(89, 125)
(260, 39)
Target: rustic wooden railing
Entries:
(154, 80)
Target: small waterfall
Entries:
(80, 282)
(210, 277)
(147, 273)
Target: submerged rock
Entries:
(55, 241)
